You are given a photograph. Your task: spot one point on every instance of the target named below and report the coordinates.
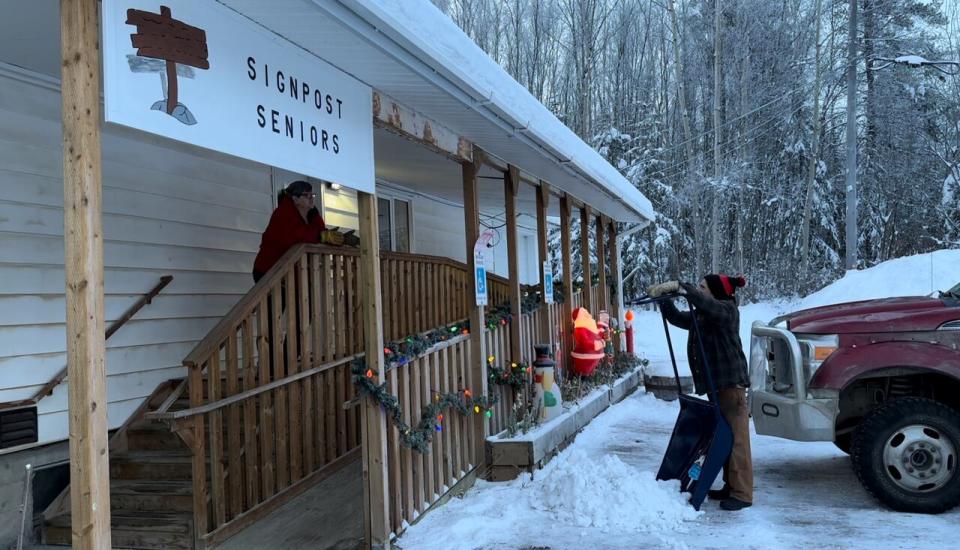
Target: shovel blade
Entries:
(700, 431)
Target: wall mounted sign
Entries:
(198, 72)
(480, 266)
(547, 283)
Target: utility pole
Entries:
(814, 152)
(715, 245)
(851, 240)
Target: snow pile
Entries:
(917, 275)
(608, 494)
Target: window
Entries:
(394, 219)
(402, 225)
(386, 231)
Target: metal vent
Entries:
(18, 427)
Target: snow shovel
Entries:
(701, 439)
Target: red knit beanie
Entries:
(724, 286)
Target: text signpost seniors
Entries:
(232, 86)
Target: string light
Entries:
(420, 437)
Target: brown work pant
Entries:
(738, 470)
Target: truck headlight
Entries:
(816, 348)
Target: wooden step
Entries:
(169, 465)
(153, 436)
(146, 495)
(142, 530)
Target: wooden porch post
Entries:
(543, 202)
(83, 255)
(376, 507)
(616, 303)
(477, 357)
(566, 246)
(602, 264)
(585, 258)
(511, 186)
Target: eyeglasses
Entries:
(308, 195)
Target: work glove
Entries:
(333, 238)
(350, 238)
(655, 291)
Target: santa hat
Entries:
(724, 286)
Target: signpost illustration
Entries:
(160, 36)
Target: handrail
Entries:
(208, 407)
(168, 402)
(48, 388)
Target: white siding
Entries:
(167, 209)
(438, 230)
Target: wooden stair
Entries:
(151, 487)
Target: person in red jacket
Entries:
(296, 220)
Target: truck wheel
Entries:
(905, 454)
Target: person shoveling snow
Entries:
(722, 353)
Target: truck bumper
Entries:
(779, 401)
(800, 420)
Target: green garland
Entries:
(401, 352)
(419, 437)
(515, 376)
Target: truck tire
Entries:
(905, 453)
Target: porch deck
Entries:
(329, 515)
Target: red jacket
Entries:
(286, 229)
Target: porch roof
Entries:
(415, 54)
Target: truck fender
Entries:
(848, 364)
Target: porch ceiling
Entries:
(403, 162)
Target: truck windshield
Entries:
(953, 292)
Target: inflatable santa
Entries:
(587, 343)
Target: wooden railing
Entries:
(57, 379)
(266, 390)
(417, 480)
(422, 292)
(268, 383)
(498, 347)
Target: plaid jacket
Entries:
(719, 322)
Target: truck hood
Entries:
(910, 314)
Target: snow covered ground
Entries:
(601, 492)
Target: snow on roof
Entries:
(452, 51)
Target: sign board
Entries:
(200, 73)
(480, 266)
(547, 283)
(481, 273)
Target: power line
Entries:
(731, 121)
(767, 125)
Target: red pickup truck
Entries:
(879, 378)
